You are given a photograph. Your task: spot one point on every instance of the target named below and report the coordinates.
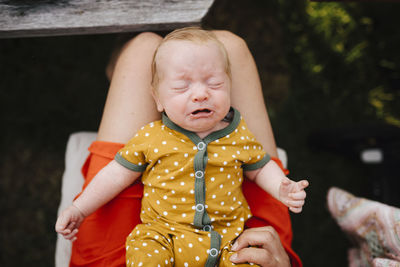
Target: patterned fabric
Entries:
(178, 168)
(379, 262)
(372, 226)
(151, 245)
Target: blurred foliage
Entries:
(345, 51)
(335, 52)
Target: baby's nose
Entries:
(200, 93)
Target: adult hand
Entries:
(261, 246)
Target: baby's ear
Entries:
(159, 105)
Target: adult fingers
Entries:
(265, 237)
(272, 243)
(269, 251)
(258, 256)
(253, 237)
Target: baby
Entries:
(191, 162)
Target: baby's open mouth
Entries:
(201, 111)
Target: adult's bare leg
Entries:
(246, 93)
(129, 106)
(129, 103)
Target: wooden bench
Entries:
(26, 18)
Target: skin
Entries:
(194, 89)
(261, 246)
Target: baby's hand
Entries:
(68, 222)
(292, 194)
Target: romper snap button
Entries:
(199, 174)
(201, 146)
(207, 228)
(199, 207)
(214, 252)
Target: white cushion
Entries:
(283, 157)
(72, 182)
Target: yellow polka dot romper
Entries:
(193, 205)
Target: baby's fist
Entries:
(292, 194)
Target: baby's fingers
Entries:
(71, 236)
(64, 232)
(64, 226)
(71, 226)
(296, 210)
(286, 185)
(286, 181)
(295, 204)
(298, 195)
(302, 184)
(61, 225)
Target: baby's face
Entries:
(193, 88)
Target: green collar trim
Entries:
(209, 138)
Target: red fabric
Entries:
(267, 210)
(101, 237)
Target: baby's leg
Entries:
(146, 246)
(191, 247)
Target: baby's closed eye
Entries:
(180, 85)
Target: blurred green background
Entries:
(324, 67)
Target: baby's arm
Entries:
(273, 180)
(107, 184)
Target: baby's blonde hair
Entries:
(192, 34)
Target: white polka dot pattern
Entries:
(169, 182)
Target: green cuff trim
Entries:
(129, 165)
(258, 164)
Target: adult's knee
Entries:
(232, 42)
(145, 42)
(145, 39)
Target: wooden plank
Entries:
(27, 18)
